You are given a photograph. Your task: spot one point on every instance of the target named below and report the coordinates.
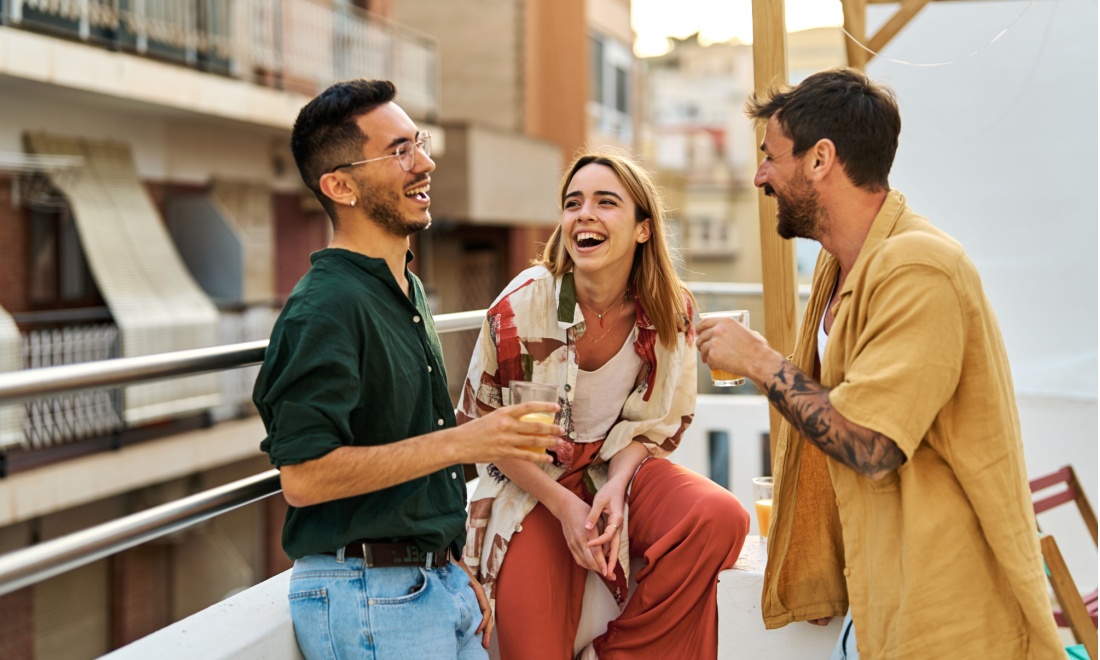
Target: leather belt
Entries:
(389, 555)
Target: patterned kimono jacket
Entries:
(530, 333)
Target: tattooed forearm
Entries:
(805, 404)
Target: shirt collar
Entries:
(569, 312)
(881, 227)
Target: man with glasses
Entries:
(353, 394)
(901, 494)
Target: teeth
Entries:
(417, 191)
(589, 235)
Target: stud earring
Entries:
(353, 202)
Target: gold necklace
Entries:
(600, 315)
(596, 340)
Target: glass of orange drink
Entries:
(523, 391)
(719, 377)
(762, 496)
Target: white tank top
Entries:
(601, 393)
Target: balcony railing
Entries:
(299, 45)
(44, 560)
(40, 562)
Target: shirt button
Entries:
(439, 422)
(519, 528)
(568, 387)
(416, 319)
(454, 475)
(429, 368)
(572, 435)
(847, 571)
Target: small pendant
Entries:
(600, 317)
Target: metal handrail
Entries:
(45, 560)
(29, 384)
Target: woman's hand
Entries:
(573, 514)
(607, 518)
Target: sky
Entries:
(716, 20)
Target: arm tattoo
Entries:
(805, 404)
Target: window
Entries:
(611, 86)
(59, 275)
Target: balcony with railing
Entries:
(727, 442)
(299, 46)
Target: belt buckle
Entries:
(368, 557)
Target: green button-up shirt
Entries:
(353, 361)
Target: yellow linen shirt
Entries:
(940, 558)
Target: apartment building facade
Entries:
(149, 203)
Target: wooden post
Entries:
(855, 22)
(769, 53)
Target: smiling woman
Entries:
(605, 318)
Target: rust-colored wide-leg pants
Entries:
(685, 526)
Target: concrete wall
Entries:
(167, 145)
(481, 55)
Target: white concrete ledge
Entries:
(255, 624)
(741, 632)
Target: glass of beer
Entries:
(762, 496)
(523, 391)
(719, 377)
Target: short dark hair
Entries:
(326, 135)
(860, 117)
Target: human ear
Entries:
(643, 230)
(823, 157)
(337, 187)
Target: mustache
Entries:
(423, 178)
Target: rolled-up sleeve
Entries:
(310, 384)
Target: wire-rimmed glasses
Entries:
(405, 153)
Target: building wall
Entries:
(167, 145)
(88, 611)
(556, 72)
(481, 55)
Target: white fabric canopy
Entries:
(11, 359)
(154, 300)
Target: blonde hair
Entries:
(663, 295)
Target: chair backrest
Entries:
(1071, 493)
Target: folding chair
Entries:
(1078, 612)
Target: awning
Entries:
(155, 302)
(11, 359)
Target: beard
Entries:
(800, 213)
(383, 205)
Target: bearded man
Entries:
(901, 494)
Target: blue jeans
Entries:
(342, 609)
(845, 648)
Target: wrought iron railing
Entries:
(74, 416)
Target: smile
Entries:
(588, 239)
(419, 193)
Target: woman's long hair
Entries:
(662, 294)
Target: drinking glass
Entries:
(762, 496)
(720, 377)
(524, 391)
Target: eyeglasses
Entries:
(405, 154)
